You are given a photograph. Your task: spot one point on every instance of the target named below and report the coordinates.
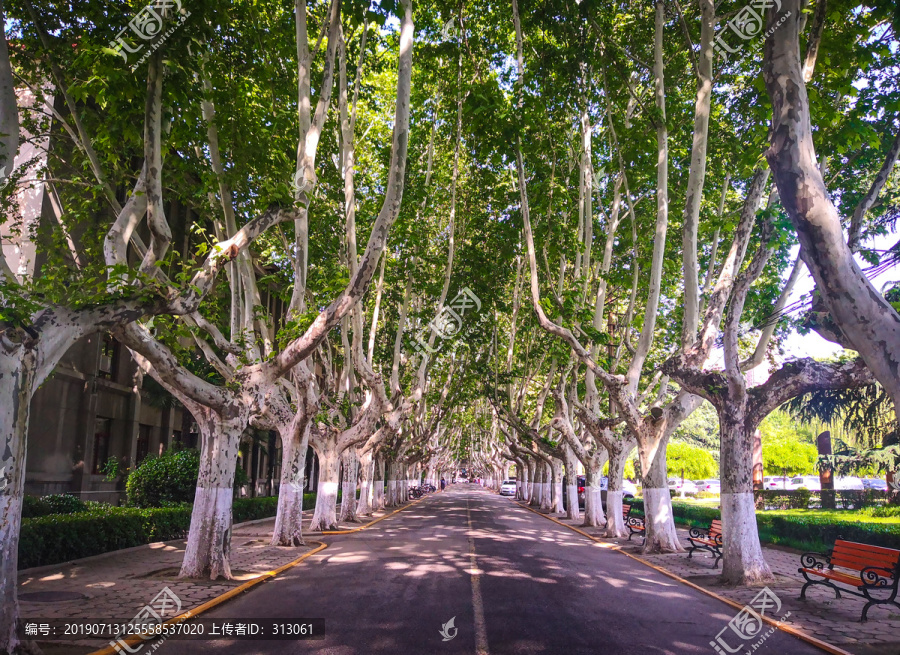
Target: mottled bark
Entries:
(348, 487)
(17, 376)
(325, 515)
(366, 471)
(208, 546)
(865, 318)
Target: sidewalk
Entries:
(835, 621)
(117, 585)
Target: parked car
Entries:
(711, 486)
(508, 488)
(849, 484)
(876, 484)
(776, 482)
(629, 490)
(810, 482)
(689, 486)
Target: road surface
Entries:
(512, 581)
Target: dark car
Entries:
(580, 482)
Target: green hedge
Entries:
(802, 532)
(63, 537)
(33, 506)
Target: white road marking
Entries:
(481, 643)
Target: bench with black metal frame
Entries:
(635, 524)
(877, 569)
(707, 539)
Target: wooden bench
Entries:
(874, 568)
(635, 524)
(707, 539)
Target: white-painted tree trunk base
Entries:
(11, 511)
(557, 503)
(208, 546)
(364, 506)
(743, 562)
(573, 511)
(289, 517)
(378, 495)
(659, 522)
(593, 508)
(615, 522)
(325, 516)
(545, 496)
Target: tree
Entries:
(693, 463)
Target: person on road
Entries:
(443, 483)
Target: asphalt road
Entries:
(536, 587)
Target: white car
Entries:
(629, 489)
(508, 488)
(810, 482)
(876, 484)
(849, 484)
(776, 482)
(711, 486)
(689, 486)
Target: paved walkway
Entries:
(821, 615)
(119, 584)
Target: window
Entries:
(102, 428)
(143, 443)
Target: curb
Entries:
(818, 643)
(218, 600)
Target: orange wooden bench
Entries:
(635, 524)
(707, 539)
(874, 569)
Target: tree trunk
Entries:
(348, 486)
(393, 484)
(378, 485)
(573, 511)
(522, 482)
(868, 322)
(615, 522)
(545, 487)
(209, 540)
(325, 516)
(534, 487)
(593, 499)
(743, 562)
(556, 504)
(659, 522)
(17, 375)
(366, 471)
(289, 516)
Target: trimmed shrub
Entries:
(170, 477)
(103, 528)
(802, 532)
(33, 506)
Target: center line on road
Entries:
(481, 643)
